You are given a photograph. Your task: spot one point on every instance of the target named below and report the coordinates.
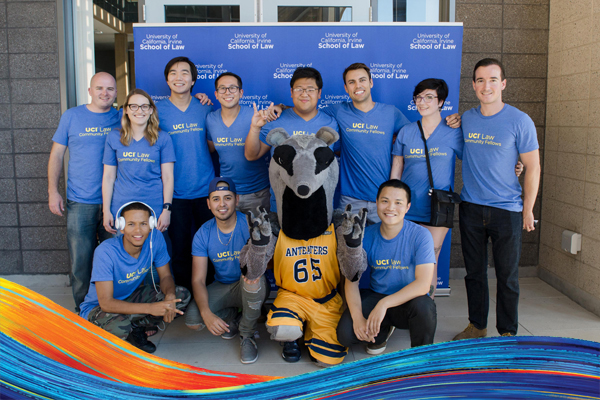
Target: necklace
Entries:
(219, 236)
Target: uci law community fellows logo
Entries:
(161, 42)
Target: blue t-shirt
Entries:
(296, 125)
(492, 148)
(84, 132)
(194, 169)
(138, 170)
(248, 176)
(392, 262)
(366, 146)
(113, 263)
(443, 144)
(222, 249)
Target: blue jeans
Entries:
(84, 230)
(477, 225)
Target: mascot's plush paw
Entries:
(353, 226)
(351, 255)
(260, 248)
(260, 227)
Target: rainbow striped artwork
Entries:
(47, 352)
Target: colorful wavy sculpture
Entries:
(49, 352)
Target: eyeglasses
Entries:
(232, 89)
(427, 99)
(310, 90)
(135, 107)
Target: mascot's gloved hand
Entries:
(353, 226)
(256, 254)
(260, 227)
(351, 256)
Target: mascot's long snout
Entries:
(303, 174)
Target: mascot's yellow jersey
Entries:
(308, 268)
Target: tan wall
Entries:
(571, 174)
(516, 33)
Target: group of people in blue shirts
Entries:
(158, 155)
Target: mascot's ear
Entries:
(277, 136)
(328, 135)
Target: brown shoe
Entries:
(507, 334)
(471, 332)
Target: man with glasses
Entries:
(496, 135)
(184, 118)
(227, 129)
(83, 129)
(302, 119)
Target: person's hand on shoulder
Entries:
(453, 121)
(204, 100)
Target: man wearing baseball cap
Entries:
(216, 306)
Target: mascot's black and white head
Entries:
(304, 174)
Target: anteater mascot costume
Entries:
(307, 251)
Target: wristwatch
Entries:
(167, 206)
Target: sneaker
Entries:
(291, 352)
(471, 332)
(374, 349)
(248, 350)
(507, 334)
(138, 338)
(234, 328)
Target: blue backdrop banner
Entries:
(265, 57)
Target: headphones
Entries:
(120, 221)
(152, 222)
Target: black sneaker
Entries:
(138, 338)
(291, 352)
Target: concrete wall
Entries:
(32, 240)
(516, 33)
(572, 159)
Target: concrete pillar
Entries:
(83, 23)
(121, 67)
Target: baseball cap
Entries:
(213, 187)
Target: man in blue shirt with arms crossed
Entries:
(496, 135)
(83, 129)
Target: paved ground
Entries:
(543, 311)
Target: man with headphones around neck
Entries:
(118, 300)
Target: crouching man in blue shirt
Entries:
(401, 259)
(118, 301)
(216, 306)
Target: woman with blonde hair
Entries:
(138, 162)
